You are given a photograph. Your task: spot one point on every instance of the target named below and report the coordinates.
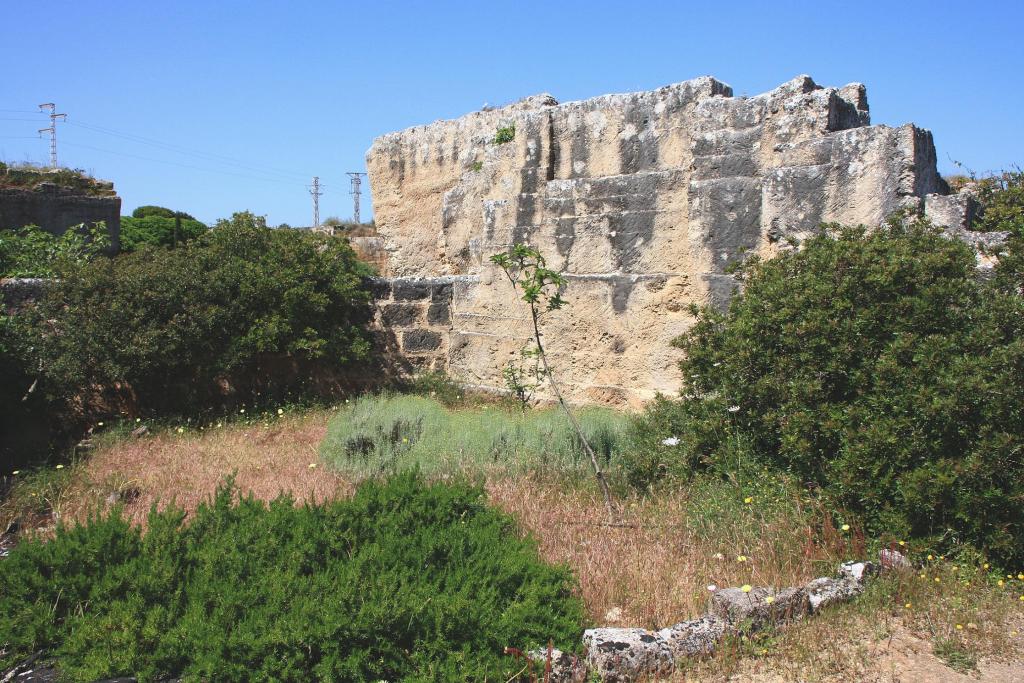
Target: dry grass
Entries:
(652, 568)
(267, 458)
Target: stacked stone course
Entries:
(643, 200)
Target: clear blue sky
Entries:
(292, 89)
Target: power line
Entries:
(175, 163)
(206, 156)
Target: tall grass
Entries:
(377, 435)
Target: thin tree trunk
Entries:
(572, 418)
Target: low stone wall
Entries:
(637, 654)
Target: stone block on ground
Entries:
(695, 637)
(893, 559)
(861, 572)
(627, 654)
(760, 606)
(827, 591)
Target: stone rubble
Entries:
(622, 655)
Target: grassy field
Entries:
(650, 568)
(383, 434)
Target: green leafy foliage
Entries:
(527, 270)
(1002, 199)
(34, 252)
(877, 366)
(170, 324)
(150, 210)
(505, 134)
(405, 581)
(158, 230)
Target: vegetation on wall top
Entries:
(31, 177)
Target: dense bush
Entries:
(384, 434)
(877, 366)
(403, 582)
(168, 325)
(157, 230)
(33, 252)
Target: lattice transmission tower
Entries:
(316, 191)
(357, 181)
(52, 130)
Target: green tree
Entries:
(158, 226)
(34, 252)
(875, 365)
(540, 287)
(169, 323)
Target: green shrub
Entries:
(382, 434)
(172, 325)
(877, 366)
(34, 252)
(406, 581)
(157, 230)
(505, 134)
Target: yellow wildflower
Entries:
(769, 600)
(846, 527)
(746, 588)
(748, 500)
(312, 465)
(60, 467)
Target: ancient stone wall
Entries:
(55, 209)
(642, 199)
(412, 319)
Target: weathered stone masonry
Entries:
(642, 199)
(55, 209)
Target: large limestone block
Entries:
(623, 192)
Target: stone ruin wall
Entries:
(55, 209)
(642, 200)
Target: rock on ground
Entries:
(627, 654)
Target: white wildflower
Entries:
(671, 441)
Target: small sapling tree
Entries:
(540, 288)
